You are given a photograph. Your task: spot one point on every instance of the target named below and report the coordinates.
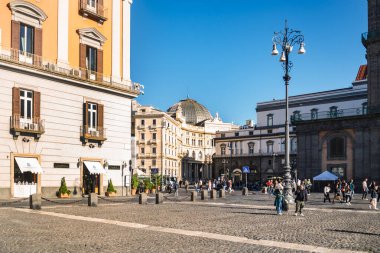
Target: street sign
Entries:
(246, 170)
(154, 171)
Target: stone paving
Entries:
(252, 217)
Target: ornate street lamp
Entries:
(286, 39)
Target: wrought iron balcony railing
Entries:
(21, 125)
(36, 62)
(329, 114)
(94, 134)
(93, 10)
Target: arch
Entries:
(27, 12)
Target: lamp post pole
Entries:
(286, 39)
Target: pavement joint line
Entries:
(329, 210)
(206, 235)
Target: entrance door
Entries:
(90, 182)
(25, 183)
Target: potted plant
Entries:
(135, 184)
(147, 185)
(63, 192)
(110, 189)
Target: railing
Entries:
(37, 62)
(256, 154)
(24, 125)
(98, 133)
(97, 11)
(329, 114)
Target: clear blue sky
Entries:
(218, 51)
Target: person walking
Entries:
(230, 186)
(175, 187)
(301, 198)
(278, 200)
(365, 189)
(373, 192)
(349, 193)
(186, 185)
(209, 185)
(326, 192)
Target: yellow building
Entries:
(65, 92)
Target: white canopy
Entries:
(95, 167)
(139, 172)
(29, 164)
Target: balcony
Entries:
(47, 66)
(21, 126)
(96, 12)
(90, 134)
(328, 115)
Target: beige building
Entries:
(179, 142)
(65, 93)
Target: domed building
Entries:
(178, 142)
(192, 111)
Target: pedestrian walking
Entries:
(326, 193)
(186, 185)
(278, 200)
(301, 198)
(230, 186)
(175, 186)
(365, 189)
(209, 185)
(373, 192)
(349, 193)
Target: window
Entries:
(365, 108)
(26, 39)
(336, 148)
(92, 116)
(269, 146)
(296, 115)
(200, 143)
(270, 131)
(222, 135)
(314, 113)
(142, 136)
(223, 149)
(26, 99)
(142, 150)
(293, 145)
(333, 111)
(193, 155)
(154, 122)
(251, 147)
(250, 132)
(91, 4)
(270, 120)
(142, 163)
(142, 122)
(91, 58)
(187, 141)
(200, 155)
(154, 150)
(237, 134)
(269, 162)
(154, 136)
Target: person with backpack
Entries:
(301, 198)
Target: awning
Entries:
(139, 172)
(325, 176)
(95, 167)
(29, 164)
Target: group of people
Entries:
(300, 197)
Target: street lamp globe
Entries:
(274, 50)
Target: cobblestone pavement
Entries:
(250, 217)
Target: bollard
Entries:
(194, 196)
(93, 199)
(35, 201)
(245, 191)
(143, 198)
(213, 194)
(159, 198)
(204, 194)
(222, 193)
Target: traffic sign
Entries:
(154, 171)
(246, 170)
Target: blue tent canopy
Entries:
(325, 176)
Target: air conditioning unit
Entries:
(24, 125)
(51, 66)
(33, 126)
(75, 72)
(94, 133)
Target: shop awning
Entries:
(29, 164)
(95, 167)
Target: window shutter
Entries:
(85, 121)
(15, 40)
(82, 59)
(36, 106)
(99, 67)
(37, 46)
(100, 117)
(16, 101)
(100, 8)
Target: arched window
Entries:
(336, 148)
(269, 146)
(293, 145)
(314, 113)
(270, 120)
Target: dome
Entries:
(193, 112)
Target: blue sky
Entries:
(218, 51)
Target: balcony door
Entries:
(92, 117)
(26, 107)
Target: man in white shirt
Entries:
(326, 192)
(365, 189)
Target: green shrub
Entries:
(110, 187)
(135, 181)
(63, 188)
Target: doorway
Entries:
(91, 182)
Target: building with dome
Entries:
(179, 143)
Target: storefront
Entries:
(92, 173)
(26, 178)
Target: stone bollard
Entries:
(245, 191)
(143, 198)
(194, 195)
(159, 198)
(93, 199)
(222, 193)
(35, 201)
(213, 194)
(204, 194)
